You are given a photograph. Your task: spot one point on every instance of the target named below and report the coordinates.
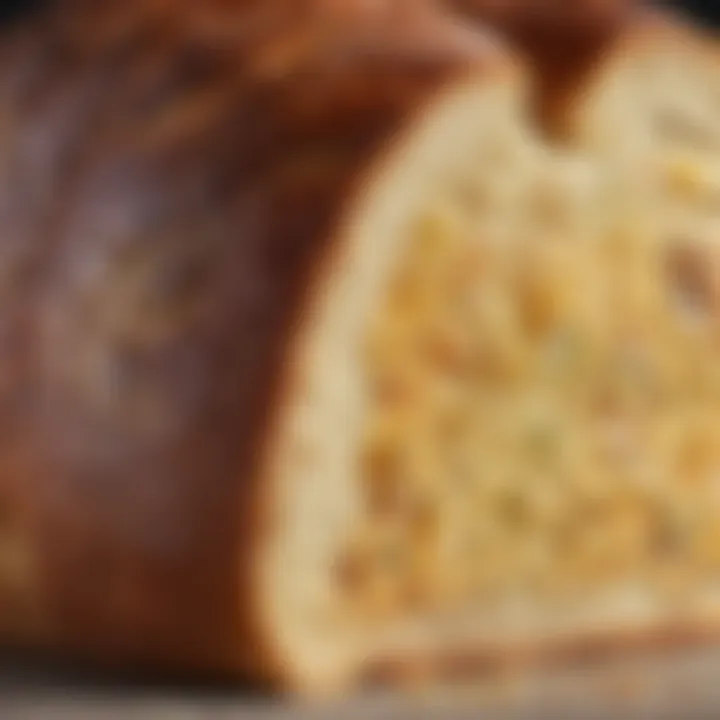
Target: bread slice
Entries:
(326, 361)
(638, 180)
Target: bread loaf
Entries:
(320, 359)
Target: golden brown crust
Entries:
(562, 40)
(645, 29)
(171, 175)
(556, 19)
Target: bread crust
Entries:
(644, 28)
(194, 163)
(575, 651)
(536, 24)
(561, 40)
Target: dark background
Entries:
(707, 10)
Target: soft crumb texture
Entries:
(543, 443)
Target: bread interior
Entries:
(507, 432)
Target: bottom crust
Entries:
(487, 661)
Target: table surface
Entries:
(683, 686)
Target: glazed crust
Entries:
(171, 176)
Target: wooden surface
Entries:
(683, 687)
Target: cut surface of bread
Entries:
(537, 461)
(334, 358)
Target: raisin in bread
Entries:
(320, 359)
